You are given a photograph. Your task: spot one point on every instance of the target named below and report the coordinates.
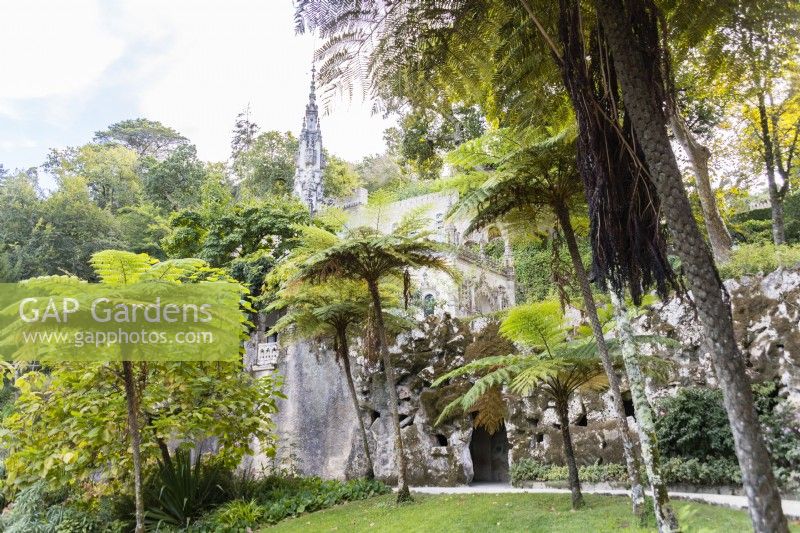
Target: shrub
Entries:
(694, 424)
(533, 470)
(275, 498)
(37, 510)
(781, 433)
(695, 472)
(676, 470)
(233, 516)
(182, 490)
(752, 259)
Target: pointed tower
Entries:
(310, 160)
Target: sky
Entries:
(72, 68)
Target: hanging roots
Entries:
(628, 244)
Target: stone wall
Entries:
(317, 415)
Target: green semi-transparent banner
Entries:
(64, 319)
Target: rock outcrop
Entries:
(317, 417)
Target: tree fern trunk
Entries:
(710, 297)
(562, 409)
(632, 464)
(775, 197)
(403, 493)
(344, 355)
(645, 421)
(136, 440)
(718, 234)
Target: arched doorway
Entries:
(489, 455)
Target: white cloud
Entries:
(220, 57)
(52, 48)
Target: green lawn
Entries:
(505, 512)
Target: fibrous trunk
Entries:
(698, 155)
(632, 464)
(569, 453)
(775, 196)
(710, 297)
(344, 355)
(132, 399)
(645, 421)
(403, 493)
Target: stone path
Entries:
(790, 507)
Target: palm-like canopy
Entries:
(553, 364)
(367, 254)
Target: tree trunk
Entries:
(136, 440)
(709, 294)
(775, 197)
(403, 494)
(637, 492)
(666, 520)
(699, 155)
(344, 355)
(562, 409)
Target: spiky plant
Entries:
(369, 256)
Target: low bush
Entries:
(532, 470)
(694, 424)
(752, 259)
(676, 470)
(696, 472)
(275, 498)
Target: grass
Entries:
(506, 512)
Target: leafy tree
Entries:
(244, 133)
(20, 205)
(424, 135)
(145, 137)
(377, 170)
(66, 424)
(69, 229)
(245, 239)
(364, 254)
(142, 228)
(110, 172)
(339, 178)
(174, 182)
(268, 165)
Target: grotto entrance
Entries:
(489, 455)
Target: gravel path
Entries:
(790, 507)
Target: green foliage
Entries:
(266, 165)
(246, 240)
(533, 470)
(781, 433)
(713, 471)
(69, 229)
(183, 489)
(339, 178)
(694, 424)
(276, 498)
(145, 137)
(35, 510)
(174, 182)
(752, 259)
(67, 420)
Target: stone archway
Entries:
(489, 455)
